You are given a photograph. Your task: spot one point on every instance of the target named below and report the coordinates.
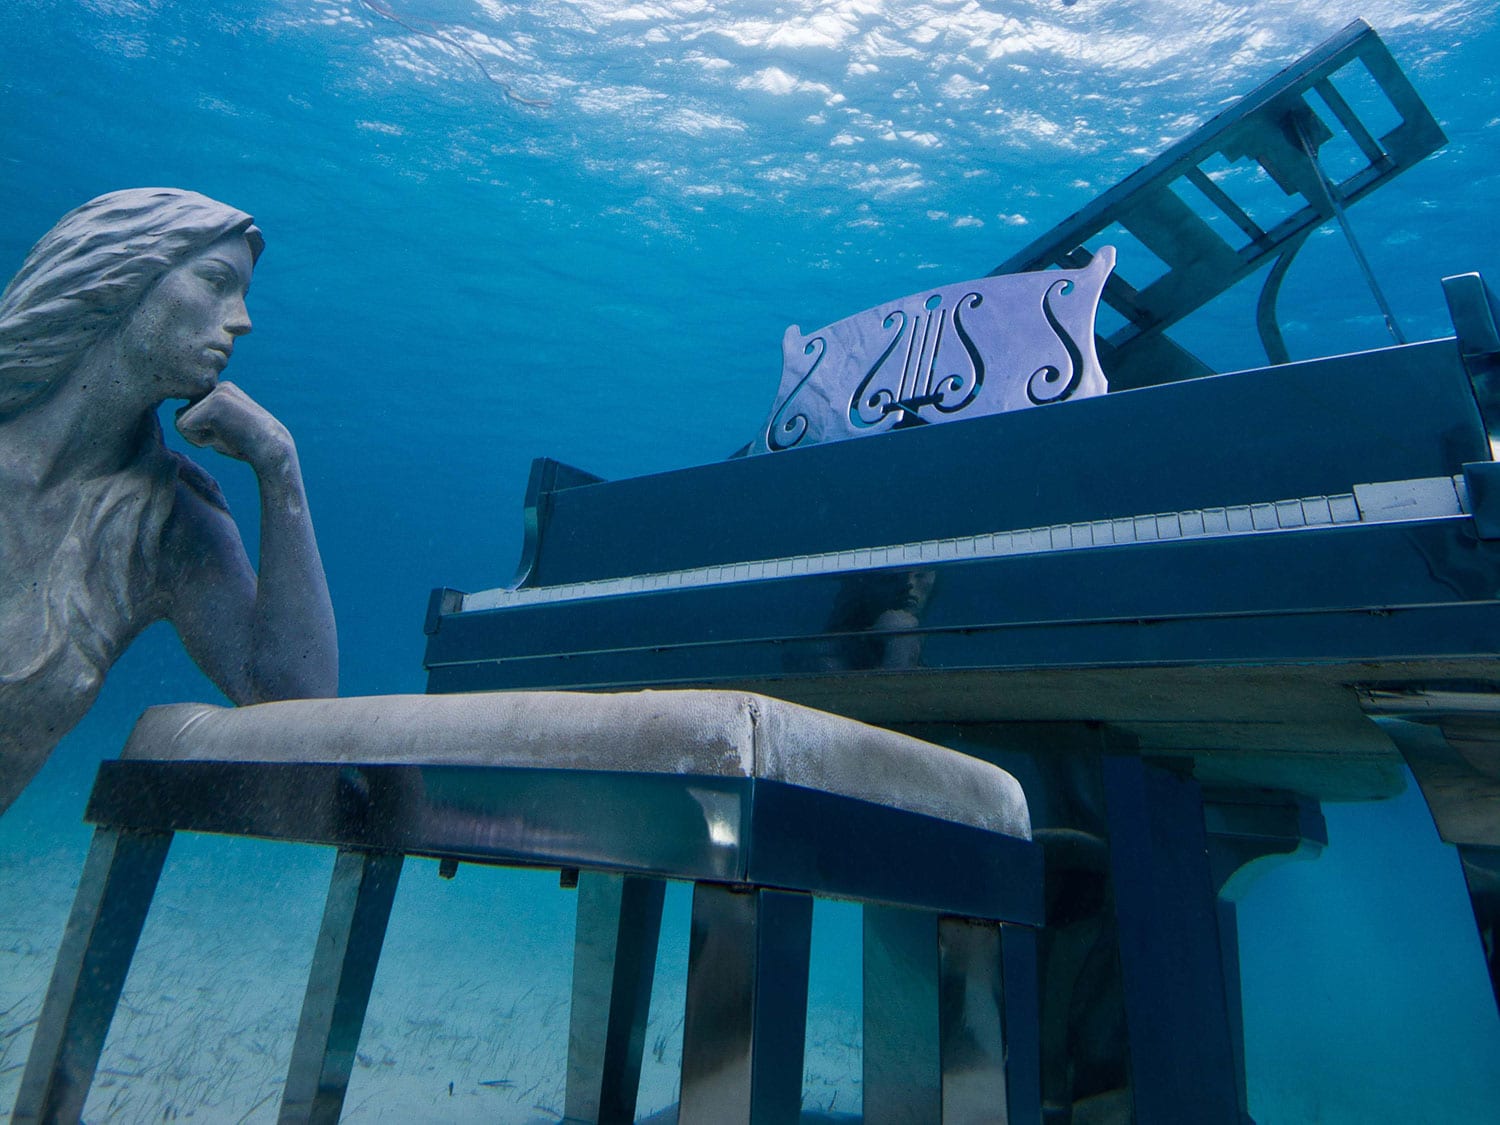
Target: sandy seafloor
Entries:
(458, 280)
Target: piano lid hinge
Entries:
(1482, 482)
(1476, 322)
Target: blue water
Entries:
(458, 280)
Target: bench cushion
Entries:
(712, 733)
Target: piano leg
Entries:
(1245, 827)
(1458, 769)
(1084, 1057)
(1482, 872)
(1083, 1035)
(1136, 997)
(1182, 1057)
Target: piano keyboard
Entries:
(1385, 501)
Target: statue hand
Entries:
(230, 422)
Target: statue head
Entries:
(88, 272)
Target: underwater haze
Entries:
(578, 229)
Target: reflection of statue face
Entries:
(919, 585)
(180, 336)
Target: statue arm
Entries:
(258, 637)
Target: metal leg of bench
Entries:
(114, 893)
(338, 988)
(971, 1029)
(950, 1020)
(903, 1083)
(1022, 1023)
(614, 963)
(746, 1018)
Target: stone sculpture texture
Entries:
(134, 299)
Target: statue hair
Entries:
(90, 270)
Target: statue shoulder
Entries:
(198, 482)
(198, 529)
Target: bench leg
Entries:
(902, 1061)
(614, 963)
(951, 1020)
(1022, 1023)
(971, 1029)
(338, 988)
(114, 893)
(746, 1020)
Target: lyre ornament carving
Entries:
(964, 350)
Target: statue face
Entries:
(180, 336)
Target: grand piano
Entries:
(1017, 516)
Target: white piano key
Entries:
(1344, 508)
(1289, 514)
(1315, 511)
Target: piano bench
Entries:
(761, 804)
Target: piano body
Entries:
(1173, 602)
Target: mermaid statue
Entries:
(133, 299)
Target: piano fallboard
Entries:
(1314, 428)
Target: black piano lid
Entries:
(1193, 212)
